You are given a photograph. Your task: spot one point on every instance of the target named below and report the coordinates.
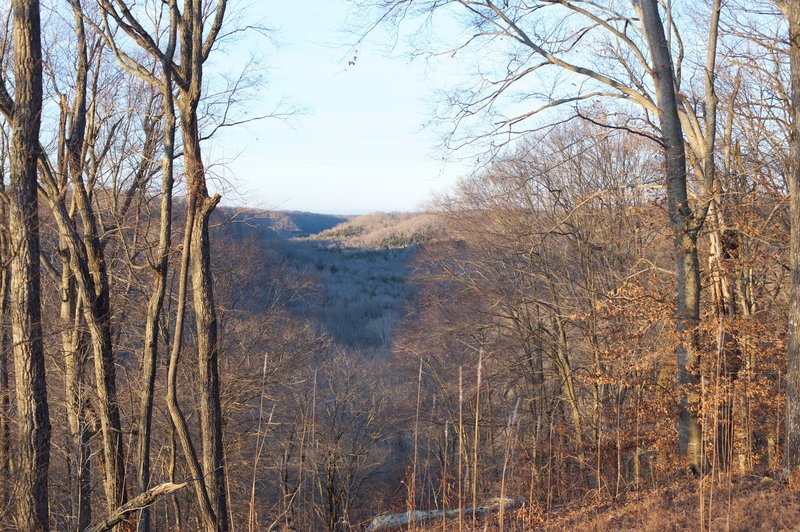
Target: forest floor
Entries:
(745, 503)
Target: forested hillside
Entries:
(598, 326)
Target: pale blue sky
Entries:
(360, 144)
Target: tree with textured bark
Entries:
(792, 444)
(685, 226)
(195, 46)
(33, 423)
(75, 342)
(86, 286)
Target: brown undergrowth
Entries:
(747, 502)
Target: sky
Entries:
(359, 142)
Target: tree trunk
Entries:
(194, 51)
(178, 419)
(205, 322)
(74, 345)
(87, 264)
(792, 446)
(33, 423)
(150, 353)
(687, 267)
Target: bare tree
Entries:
(685, 226)
(85, 269)
(150, 355)
(554, 49)
(792, 449)
(195, 46)
(33, 423)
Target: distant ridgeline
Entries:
(286, 224)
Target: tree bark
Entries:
(687, 266)
(194, 52)
(206, 326)
(150, 353)
(176, 414)
(792, 446)
(33, 423)
(97, 300)
(88, 266)
(74, 338)
(74, 346)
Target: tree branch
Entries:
(134, 505)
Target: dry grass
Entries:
(749, 503)
(756, 503)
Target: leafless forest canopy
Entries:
(609, 304)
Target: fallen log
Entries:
(390, 521)
(134, 505)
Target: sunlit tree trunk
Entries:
(792, 445)
(92, 277)
(687, 267)
(150, 352)
(194, 51)
(33, 423)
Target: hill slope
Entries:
(745, 503)
(385, 230)
(286, 224)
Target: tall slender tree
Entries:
(197, 27)
(685, 226)
(33, 423)
(792, 449)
